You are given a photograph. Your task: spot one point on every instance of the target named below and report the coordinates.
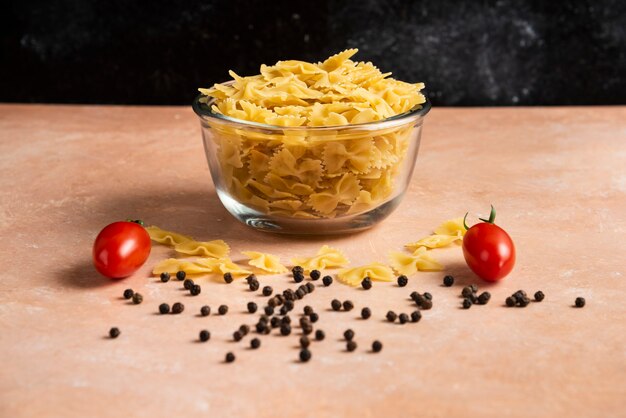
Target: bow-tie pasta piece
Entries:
(216, 248)
(408, 264)
(166, 237)
(267, 262)
(375, 271)
(326, 257)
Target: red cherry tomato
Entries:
(120, 249)
(489, 250)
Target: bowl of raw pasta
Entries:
(312, 148)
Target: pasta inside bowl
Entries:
(296, 175)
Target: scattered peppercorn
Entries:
(466, 292)
(269, 310)
(319, 335)
(250, 278)
(335, 304)
(510, 301)
(128, 293)
(164, 308)
(348, 334)
(205, 335)
(348, 305)
(419, 299)
(195, 290)
(261, 327)
(351, 346)
(448, 281)
(244, 329)
(284, 310)
(300, 293)
(254, 286)
(252, 307)
(428, 296)
(230, 357)
(366, 313)
(297, 269)
(327, 280)
(181, 275)
(391, 316)
(305, 355)
(275, 322)
(484, 298)
(467, 303)
(137, 298)
(427, 304)
(264, 318)
(114, 332)
(237, 336)
(366, 283)
(267, 291)
(285, 320)
(298, 277)
(314, 317)
(416, 316)
(188, 283)
(304, 341)
(289, 305)
(377, 346)
(255, 343)
(403, 280)
(222, 310)
(285, 329)
(315, 274)
(474, 288)
(580, 302)
(414, 295)
(305, 321)
(310, 287)
(539, 296)
(228, 277)
(523, 301)
(404, 318)
(165, 277)
(308, 310)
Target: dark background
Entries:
(468, 53)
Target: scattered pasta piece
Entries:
(445, 234)
(451, 227)
(226, 265)
(216, 249)
(166, 237)
(375, 271)
(173, 265)
(264, 261)
(326, 257)
(407, 264)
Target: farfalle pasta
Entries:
(217, 248)
(295, 172)
(326, 257)
(420, 260)
(375, 271)
(264, 261)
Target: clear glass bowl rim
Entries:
(203, 110)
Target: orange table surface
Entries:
(557, 177)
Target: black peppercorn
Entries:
(297, 269)
(205, 335)
(254, 286)
(305, 355)
(308, 310)
(128, 293)
(264, 318)
(288, 294)
(580, 302)
(222, 310)
(404, 318)
(416, 316)
(427, 304)
(467, 303)
(310, 287)
(165, 277)
(419, 299)
(188, 283)
(539, 296)
(403, 280)
(300, 293)
(315, 274)
(275, 322)
(298, 277)
(114, 332)
(228, 278)
(230, 357)
(304, 341)
(335, 304)
(351, 346)
(414, 295)
(285, 329)
(391, 316)
(314, 317)
(484, 298)
(195, 290)
(289, 305)
(252, 307)
(178, 308)
(237, 336)
(261, 327)
(244, 329)
(319, 335)
(466, 292)
(327, 280)
(348, 334)
(305, 321)
(377, 346)
(137, 298)
(366, 313)
(510, 301)
(205, 310)
(284, 310)
(523, 301)
(366, 283)
(164, 308)
(250, 278)
(428, 296)
(269, 310)
(255, 343)
(448, 281)
(348, 305)
(267, 291)
(307, 329)
(181, 275)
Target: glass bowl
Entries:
(310, 180)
